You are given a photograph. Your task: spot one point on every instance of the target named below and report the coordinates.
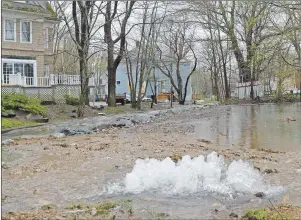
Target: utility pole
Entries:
(171, 95)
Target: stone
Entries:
(48, 207)
(8, 141)
(270, 171)
(42, 120)
(8, 114)
(233, 215)
(69, 132)
(199, 102)
(4, 114)
(32, 116)
(64, 145)
(93, 211)
(101, 113)
(46, 148)
(72, 115)
(259, 194)
(4, 165)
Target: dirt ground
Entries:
(42, 176)
(62, 112)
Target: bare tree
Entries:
(84, 17)
(177, 38)
(110, 14)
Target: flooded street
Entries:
(81, 168)
(255, 126)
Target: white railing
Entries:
(47, 81)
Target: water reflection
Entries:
(254, 126)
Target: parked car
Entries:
(146, 99)
(127, 98)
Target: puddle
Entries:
(254, 126)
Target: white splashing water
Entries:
(189, 176)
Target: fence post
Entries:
(39, 93)
(53, 93)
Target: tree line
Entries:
(225, 42)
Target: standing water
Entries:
(267, 126)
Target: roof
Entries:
(133, 55)
(31, 6)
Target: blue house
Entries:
(161, 82)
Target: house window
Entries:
(18, 68)
(46, 38)
(28, 72)
(118, 82)
(46, 70)
(14, 66)
(10, 30)
(25, 31)
(7, 69)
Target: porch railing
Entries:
(47, 81)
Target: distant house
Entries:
(160, 83)
(27, 42)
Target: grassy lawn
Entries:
(13, 123)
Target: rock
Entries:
(48, 102)
(4, 166)
(48, 207)
(4, 114)
(259, 194)
(233, 215)
(298, 171)
(68, 132)
(101, 113)
(93, 211)
(33, 117)
(270, 171)
(8, 114)
(216, 210)
(46, 148)
(72, 115)
(199, 102)
(257, 168)
(8, 141)
(205, 141)
(64, 145)
(42, 120)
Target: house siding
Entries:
(121, 75)
(35, 49)
(124, 85)
(184, 71)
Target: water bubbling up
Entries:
(189, 176)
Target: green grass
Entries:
(259, 214)
(13, 123)
(263, 214)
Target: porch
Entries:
(46, 81)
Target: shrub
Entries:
(12, 123)
(22, 102)
(70, 100)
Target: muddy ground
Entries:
(41, 177)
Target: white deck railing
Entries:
(47, 81)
